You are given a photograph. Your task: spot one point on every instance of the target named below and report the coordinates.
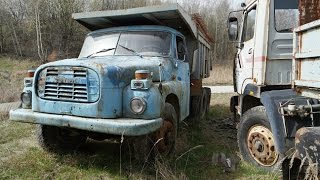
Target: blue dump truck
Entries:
(138, 75)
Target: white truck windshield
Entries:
(142, 43)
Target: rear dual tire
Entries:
(200, 105)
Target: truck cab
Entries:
(132, 80)
(263, 34)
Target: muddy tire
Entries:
(164, 140)
(200, 105)
(59, 140)
(195, 107)
(205, 102)
(161, 143)
(255, 139)
(140, 149)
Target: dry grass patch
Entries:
(220, 75)
(12, 72)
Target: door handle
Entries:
(250, 51)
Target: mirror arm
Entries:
(240, 45)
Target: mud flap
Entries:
(271, 101)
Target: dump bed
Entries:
(306, 62)
(170, 15)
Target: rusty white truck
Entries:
(263, 63)
(276, 76)
(138, 75)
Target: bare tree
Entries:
(41, 54)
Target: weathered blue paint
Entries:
(114, 75)
(120, 126)
(152, 97)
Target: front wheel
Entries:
(57, 140)
(161, 143)
(165, 137)
(255, 139)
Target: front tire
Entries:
(160, 143)
(165, 137)
(58, 140)
(255, 139)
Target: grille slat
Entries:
(50, 94)
(66, 84)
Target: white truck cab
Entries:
(263, 62)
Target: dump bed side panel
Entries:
(306, 62)
(307, 58)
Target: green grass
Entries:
(22, 158)
(13, 64)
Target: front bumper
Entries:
(120, 126)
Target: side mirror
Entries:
(233, 28)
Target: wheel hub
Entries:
(261, 145)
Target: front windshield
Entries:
(142, 43)
(286, 15)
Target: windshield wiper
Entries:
(101, 51)
(131, 50)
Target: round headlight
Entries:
(26, 98)
(137, 105)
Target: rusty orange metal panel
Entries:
(309, 11)
(196, 87)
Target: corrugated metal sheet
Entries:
(309, 11)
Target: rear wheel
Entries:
(200, 105)
(56, 139)
(255, 139)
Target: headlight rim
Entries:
(29, 96)
(144, 103)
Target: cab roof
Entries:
(136, 28)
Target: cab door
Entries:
(182, 74)
(244, 61)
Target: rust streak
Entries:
(309, 11)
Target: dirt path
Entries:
(6, 107)
(221, 89)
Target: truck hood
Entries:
(116, 71)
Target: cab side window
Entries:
(181, 49)
(250, 24)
